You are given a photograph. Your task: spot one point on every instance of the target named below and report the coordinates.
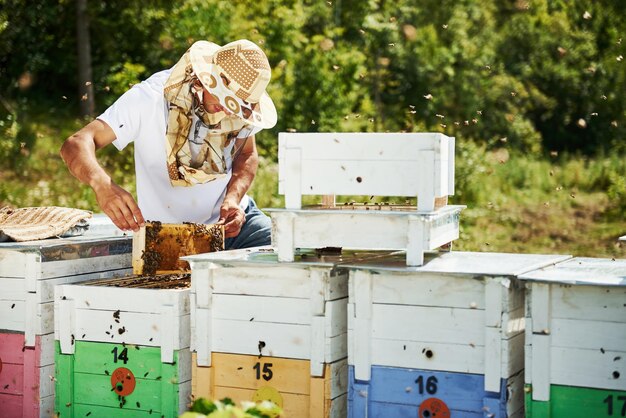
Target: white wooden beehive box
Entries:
(123, 318)
(576, 334)
(248, 307)
(365, 164)
(461, 313)
(29, 271)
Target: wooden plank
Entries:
(341, 177)
(12, 379)
(316, 230)
(428, 289)
(251, 372)
(132, 328)
(261, 309)
(415, 244)
(591, 335)
(428, 324)
(443, 357)
(12, 289)
(540, 309)
(360, 146)
(11, 405)
(66, 319)
(274, 340)
(587, 368)
(291, 166)
(97, 411)
(462, 393)
(278, 280)
(283, 235)
(541, 367)
(100, 358)
(11, 345)
(317, 349)
(592, 303)
(63, 268)
(13, 314)
(125, 299)
(64, 389)
(12, 264)
(45, 288)
(363, 318)
(493, 333)
(576, 402)
(426, 179)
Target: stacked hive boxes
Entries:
(443, 340)
(269, 330)
(366, 164)
(123, 347)
(123, 344)
(28, 274)
(576, 339)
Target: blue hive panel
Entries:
(398, 393)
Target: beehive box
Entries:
(123, 347)
(576, 339)
(445, 339)
(269, 330)
(29, 271)
(365, 164)
(123, 344)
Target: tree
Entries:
(83, 43)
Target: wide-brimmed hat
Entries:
(237, 74)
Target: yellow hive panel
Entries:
(287, 382)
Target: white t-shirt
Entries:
(140, 115)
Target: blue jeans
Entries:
(256, 231)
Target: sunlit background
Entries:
(533, 91)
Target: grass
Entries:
(515, 203)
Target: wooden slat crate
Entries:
(380, 164)
(263, 327)
(29, 271)
(123, 347)
(576, 339)
(366, 164)
(445, 338)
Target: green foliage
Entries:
(226, 408)
(122, 77)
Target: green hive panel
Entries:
(84, 381)
(576, 402)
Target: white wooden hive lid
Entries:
(461, 262)
(582, 271)
(267, 256)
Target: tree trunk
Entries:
(85, 85)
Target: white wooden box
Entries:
(246, 302)
(380, 164)
(576, 326)
(415, 232)
(154, 317)
(142, 320)
(29, 271)
(460, 312)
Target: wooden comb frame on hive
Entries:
(157, 247)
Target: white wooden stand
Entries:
(364, 229)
